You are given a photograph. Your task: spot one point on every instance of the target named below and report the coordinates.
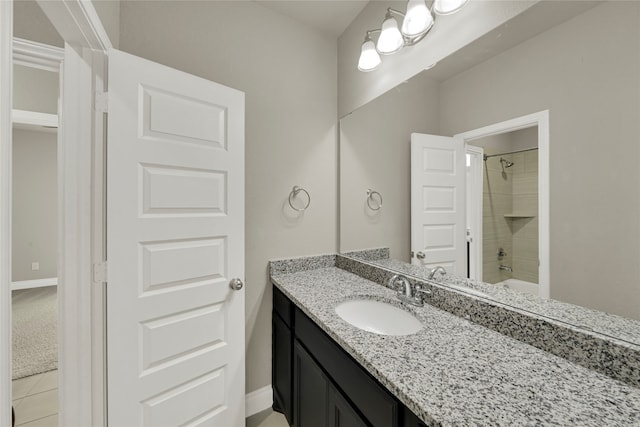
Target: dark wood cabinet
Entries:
(410, 419)
(282, 379)
(310, 390)
(317, 384)
(341, 413)
(317, 402)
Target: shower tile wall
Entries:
(525, 230)
(496, 231)
(509, 191)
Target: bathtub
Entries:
(520, 286)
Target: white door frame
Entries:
(540, 119)
(80, 301)
(474, 210)
(6, 103)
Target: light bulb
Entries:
(369, 58)
(418, 19)
(448, 7)
(390, 40)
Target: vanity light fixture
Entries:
(390, 39)
(448, 7)
(369, 56)
(416, 23)
(418, 19)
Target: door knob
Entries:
(236, 284)
(420, 255)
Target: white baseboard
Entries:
(36, 283)
(258, 400)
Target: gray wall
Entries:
(35, 90)
(585, 72)
(35, 204)
(288, 73)
(29, 22)
(109, 13)
(375, 152)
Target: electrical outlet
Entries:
(35, 266)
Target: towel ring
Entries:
(294, 193)
(371, 195)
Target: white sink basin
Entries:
(378, 317)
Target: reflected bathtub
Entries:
(520, 286)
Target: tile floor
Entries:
(35, 400)
(267, 418)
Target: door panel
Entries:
(438, 202)
(175, 238)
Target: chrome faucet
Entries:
(413, 295)
(436, 269)
(402, 285)
(505, 268)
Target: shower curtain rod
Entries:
(510, 152)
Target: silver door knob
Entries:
(420, 255)
(236, 284)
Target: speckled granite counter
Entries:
(505, 313)
(454, 372)
(617, 327)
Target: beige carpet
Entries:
(35, 321)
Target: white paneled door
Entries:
(175, 240)
(438, 202)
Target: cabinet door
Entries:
(341, 413)
(310, 390)
(373, 401)
(282, 368)
(411, 420)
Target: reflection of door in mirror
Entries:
(438, 176)
(509, 204)
(483, 228)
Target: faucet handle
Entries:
(422, 290)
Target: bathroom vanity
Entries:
(316, 383)
(327, 372)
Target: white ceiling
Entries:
(329, 16)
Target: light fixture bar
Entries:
(416, 24)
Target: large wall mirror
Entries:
(584, 74)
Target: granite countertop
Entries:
(616, 327)
(454, 372)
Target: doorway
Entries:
(34, 273)
(34, 216)
(510, 209)
(518, 220)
